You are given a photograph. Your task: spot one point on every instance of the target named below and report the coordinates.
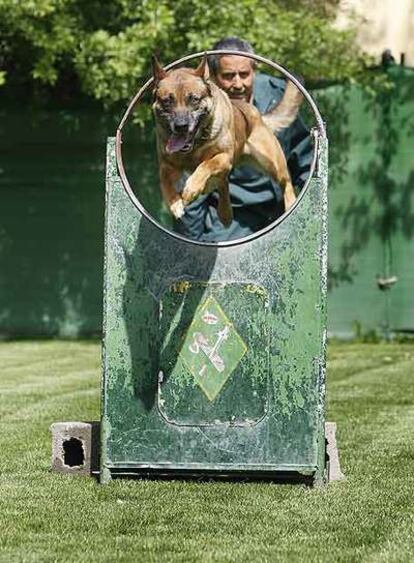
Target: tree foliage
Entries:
(103, 49)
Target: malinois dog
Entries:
(201, 131)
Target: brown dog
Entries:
(201, 131)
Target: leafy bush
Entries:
(103, 49)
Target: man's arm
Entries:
(295, 140)
(299, 151)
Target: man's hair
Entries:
(229, 44)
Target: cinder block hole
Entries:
(73, 453)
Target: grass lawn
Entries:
(49, 517)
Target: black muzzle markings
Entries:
(183, 129)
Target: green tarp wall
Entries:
(52, 211)
(371, 221)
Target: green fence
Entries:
(52, 208)
(371, 223)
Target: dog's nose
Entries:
(181, 124)
(181, 127)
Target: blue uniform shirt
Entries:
(256, 199)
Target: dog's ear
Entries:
(157, 70)
(202, 70)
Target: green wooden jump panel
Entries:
(214, 356)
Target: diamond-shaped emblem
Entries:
(212, 348)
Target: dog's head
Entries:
(182, 101)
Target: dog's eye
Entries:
(193, 99)
(167, 102)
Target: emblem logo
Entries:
(212, 348)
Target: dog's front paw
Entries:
(190, 192)
(177, 208)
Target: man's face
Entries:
(235, 75)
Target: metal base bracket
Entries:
(76, 446)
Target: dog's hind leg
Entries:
(265, 150)
(224, 210)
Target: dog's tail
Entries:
(286, 110)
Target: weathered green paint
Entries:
(266, 412)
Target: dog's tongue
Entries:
(176, 143)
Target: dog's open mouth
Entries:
(179, 143)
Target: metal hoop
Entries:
(320, 133)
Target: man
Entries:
(256, 199)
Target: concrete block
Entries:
(75, 447)
(334, 473)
